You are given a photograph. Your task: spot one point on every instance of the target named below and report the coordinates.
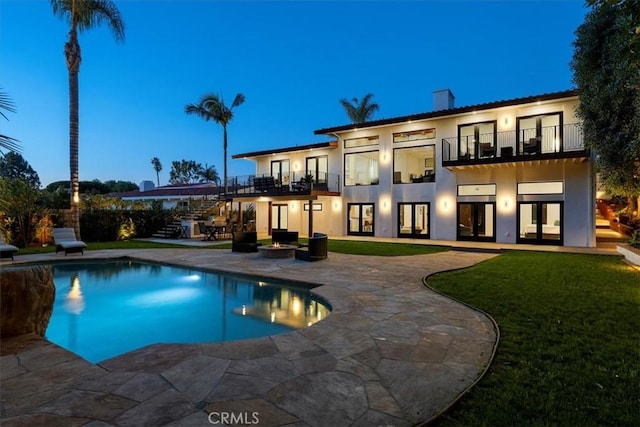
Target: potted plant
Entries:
(308, 180)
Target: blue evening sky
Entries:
(293, 60)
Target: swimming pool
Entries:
(104, 309)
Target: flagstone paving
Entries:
(392, 352)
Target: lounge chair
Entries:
(7, 251)
(316, 250)
(65, 239)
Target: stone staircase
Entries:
(172, 230)
(604, 233)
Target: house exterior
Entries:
(511, 171)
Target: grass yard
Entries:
(339, 246)
(121, 244)
(569, 352)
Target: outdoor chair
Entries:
(284, 237)
(65, 239)
(316, 250)
(7, 251)
(207, 231)
(245, 241)
(532, 146)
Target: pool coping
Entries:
(391, 352)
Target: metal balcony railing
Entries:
(286, 184)
(509, 145)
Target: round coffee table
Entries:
(282, 251)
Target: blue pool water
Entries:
(104, 309)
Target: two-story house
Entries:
(512, 171)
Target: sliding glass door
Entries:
(413, 220)
(361, 219)
(477, 221)
(540, 223)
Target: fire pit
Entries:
(277, 250)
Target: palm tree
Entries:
(81, 15)
(209, 174)
(157, 166)
(360, 111)
(211, 107)
(6, 142)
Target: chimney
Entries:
(147, 185)
(443, 99)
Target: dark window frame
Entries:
(540, 214)
(475, 237)
(413, 234)
(344, 165)
(360, 231)
(425, 179)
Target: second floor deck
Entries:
(564, 141)
(290, 185)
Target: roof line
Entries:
(449, 112)
(327, 144)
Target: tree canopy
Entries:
(13, 165)
(360, 111)
(606, 71)
(212, 107)
(189, 171)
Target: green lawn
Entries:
(569, 352)
(123, 244)
(339, 246)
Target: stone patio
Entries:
(391, 352)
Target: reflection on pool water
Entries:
(104, 309)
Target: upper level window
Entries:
(318, 168)
(414, 164)
(361, 168)
(361, 142)
(539, 134)
(414, 135)
(280, 171)
(477, 140)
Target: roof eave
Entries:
(449, 112)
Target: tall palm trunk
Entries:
(72, 55)
(226, 184)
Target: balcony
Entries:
(291, 186)
(553, 142)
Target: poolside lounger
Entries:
(65, 239)
(7, 251)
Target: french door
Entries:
(413, 220)
(477, 221)
(361, 219)
(279, 217)
(540, 223)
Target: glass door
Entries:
(318, 168)
(413, 220)
(540, 223)
(280, 172)
(477, 221)
(279, 217)
(361, 219)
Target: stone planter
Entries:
(630, 253)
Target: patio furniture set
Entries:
(284, 244)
